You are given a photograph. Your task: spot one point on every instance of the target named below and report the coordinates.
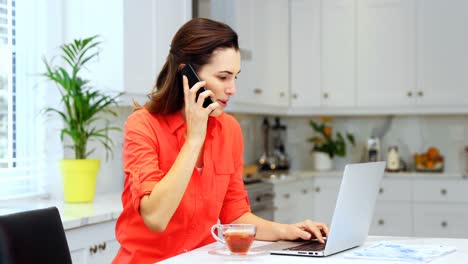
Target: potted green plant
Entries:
(83, 113)
(326, 145)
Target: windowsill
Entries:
(106, 207)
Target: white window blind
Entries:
(23, 29)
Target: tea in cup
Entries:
(237, 237)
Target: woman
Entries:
(183, 162)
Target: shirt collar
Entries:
(214, 124)
(175, 121)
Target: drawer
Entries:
(441, 190)
(290, 194)
(392, 219)
(440, 220)
(395, 190)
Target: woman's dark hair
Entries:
(193, 43)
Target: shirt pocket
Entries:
(223, 174)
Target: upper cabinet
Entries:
(271, 51)
(386, 53)
(442, 53)
(412, 56)
(305, 53)
(135, 37)
(338, 53)
(322, 54)
(263, 29)
(352, 57)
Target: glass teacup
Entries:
(237, 237)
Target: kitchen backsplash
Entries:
(410, 133)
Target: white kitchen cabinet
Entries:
(135, 39)
(271, 51)
(440, 207)
(412, 54)
(293, 201)
(393, 210)
(94, 243)
(305, 205)
(263, 28)
(441, 190)
(386, 53)
(338, 53)
(440, 220)
(442, 55)
(322, 54)
(392, 218)
(325, 197)
(406, 206)
(305, 53)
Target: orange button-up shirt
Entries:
(152, 143)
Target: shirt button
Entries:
(185, 250)
(193, 226)
(201, 197)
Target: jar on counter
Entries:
(393, 159)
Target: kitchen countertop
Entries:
(201, 255)
(299, 175)
(106, 207)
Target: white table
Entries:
(201, 255)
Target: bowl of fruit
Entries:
(429, 161)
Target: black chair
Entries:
(35, 236)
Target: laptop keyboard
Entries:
(309, 246)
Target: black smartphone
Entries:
(192, 80)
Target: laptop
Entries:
(352, 216)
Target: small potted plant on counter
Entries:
(83, 113)
(326, 145)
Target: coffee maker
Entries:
(278, 139)
(373, 149)
(274, 156)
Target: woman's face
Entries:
(220, 75)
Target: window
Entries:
(24, 32)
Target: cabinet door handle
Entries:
(282, 94)
(325, 95)
(317, 189)
(381, 190)
(304, 191)
(294, 95)
(421, 93)
(258, 91)
(381, 222)
(93, 249)
(102, 246)
(444, 224)
(286, 195)
(409, 94)
(443, 192)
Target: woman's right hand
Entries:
(195, 115)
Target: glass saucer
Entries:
(251, 253)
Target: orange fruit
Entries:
(433, 153)
(430, 164)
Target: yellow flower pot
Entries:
(79, 179)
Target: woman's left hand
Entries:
(305, 230)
